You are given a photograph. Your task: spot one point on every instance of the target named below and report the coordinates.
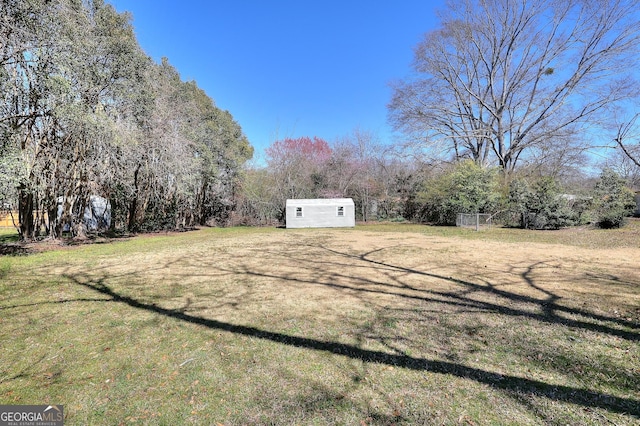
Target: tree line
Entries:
(388, 186)
(85, 112)
(506, 100)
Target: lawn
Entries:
(385, 324)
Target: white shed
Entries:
(321, 213)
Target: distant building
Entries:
(97, 214)
(320, 213)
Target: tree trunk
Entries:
(25, 214)
(54, 222)
(133, 205)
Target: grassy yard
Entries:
(384, 324)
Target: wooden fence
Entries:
(5, 218)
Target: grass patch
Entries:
(383, 324)
(582, 236)
(8, 235)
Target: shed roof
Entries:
(319, 201)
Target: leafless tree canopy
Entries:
(507, 81)
(628, 139)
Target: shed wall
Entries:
(320, 213)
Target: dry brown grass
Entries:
(376, 325)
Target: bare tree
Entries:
(298, 166)
(502, 81)
(362, 168)
(628, 139)
(624, 166)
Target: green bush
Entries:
(613, 201)
(466, 188)
(541, 205)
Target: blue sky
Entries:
(289, 68)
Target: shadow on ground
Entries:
(501, 301)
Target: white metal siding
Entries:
(320, 213)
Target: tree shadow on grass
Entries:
(545, 310)
(12, 249)
(509, 383)
(548, 308)
(55, 302)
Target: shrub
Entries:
(467, 188)
(541, 205)
(612, 200)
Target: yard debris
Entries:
(186, 362)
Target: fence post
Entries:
(477, 222)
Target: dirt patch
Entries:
(13, 249)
